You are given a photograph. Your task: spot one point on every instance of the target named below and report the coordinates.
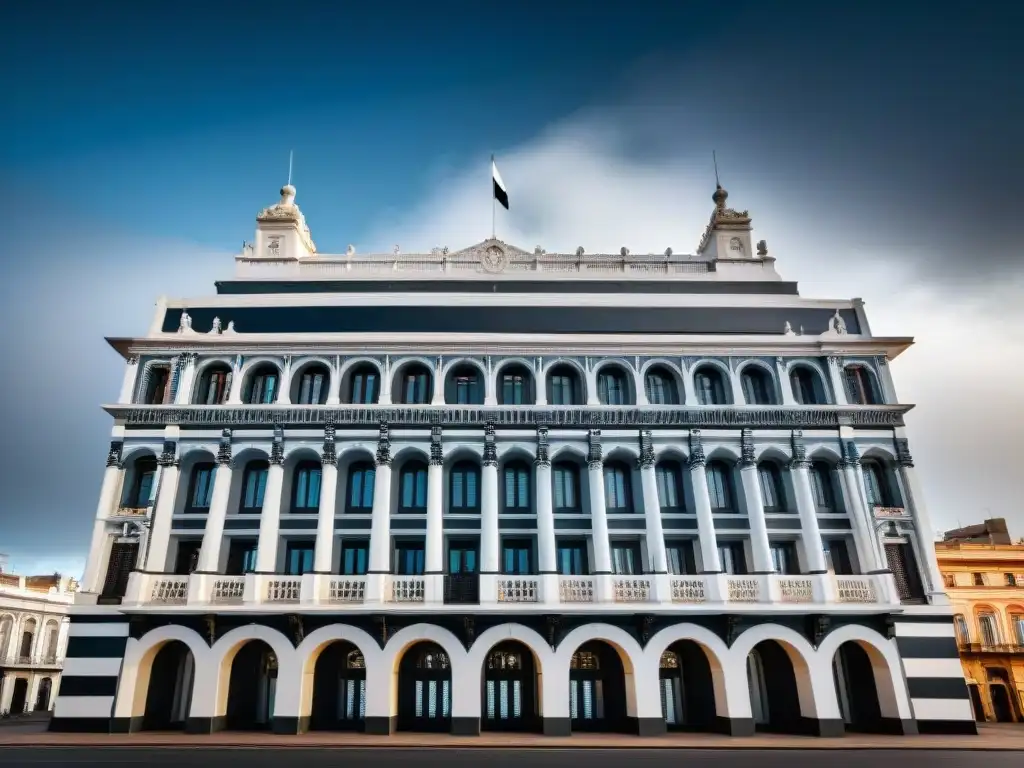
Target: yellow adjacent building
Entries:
(984, 577)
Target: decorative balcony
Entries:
(125, 511)
(996, 648)
(708, 592)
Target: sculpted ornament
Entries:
(494, 259)
(185, 324)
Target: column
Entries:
(689, 391)
(270, 515)
(434, 544)
(186, 378)
(160, 525)
(547, 548)
(93, 577)
(785, 385)
(131, 377)
(923, 530)
(813, 549)
(711, 561)
(284, 392)
(209, 551)
(323, 552)
(235, 393)
(759, 544)
(872, 557)
(652, 508)
(598, 508)
(490, 539)
(835, 375)
(380, 526)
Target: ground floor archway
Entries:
(339, 689)
(425, 689)
(171, 681)
(251, 688)
(687, 688)
(774, 696)
(510, 689)
(597, 689)
(854, 675)
(43, 695)
(19, 696)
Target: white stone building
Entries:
(501, 489)
(33, 639)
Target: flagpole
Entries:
(493, 209)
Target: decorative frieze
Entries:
(766, 417)
(747, 456)
(329, 456)
(543, 455)
(697, 457)
(646, 460)
(490, 448)
(383, 457)
(594, 457)
(436, 449)
(224, 450)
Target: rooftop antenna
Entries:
(291, 155)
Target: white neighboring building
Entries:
(504, 489)
(33, 639)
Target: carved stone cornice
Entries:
(383, 456)
(277, 447)
(646, 460)
(543, 456)
(799, 460)
(224, 450)
(114, 454)
(903, 457)
(747, 458)
(133, 360)
(436, 449)
(329, 457)
(697, 457)
(490, 447)
(594, 417)
(595, 459)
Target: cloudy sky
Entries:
(876, 145)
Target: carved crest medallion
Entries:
(494, 259)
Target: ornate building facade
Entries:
(985, 584)
(33, 639)
(501, 489)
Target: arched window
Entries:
(617, 492)
(200, 492)
(719, 486)
(306, 487)
(660, 387)
(670, 486)
(432, 659)
(517, 487)
(139, 491)
(612, 387)
(564, 386)
(214, 385)
(27, 637)
(861, 386)
(6, 630)
(363, 385)
(310, 387)
(757, 386)
(770, 480)
(263, 385)
(464, 487)
(585, 660)
(158, 385)
(254, 486)
(710, 388)
(821, 486)
(413, 487)
(414, 385)
(514, 386)
(359, 494)
(876, 484)
(807, 388)
(465, 386)
(989, 627)
(511, 661)
(963, 635)
(566, 486)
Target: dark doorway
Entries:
(510, 689)
(252, 687)
(774, 700)
(339, 689)
(687, 688)
(119, 567)
(425, 689)
(901, 561)
(20, 696)
(855, 685)
(1001, 706)
(597, 689)
(43, 696)
(462, 582)
(169, 696)
(979, 710)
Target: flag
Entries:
(500, 193)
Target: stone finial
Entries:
(579, 252)
(668, 253)
(787, 329)
(624, 252)
(762, 248)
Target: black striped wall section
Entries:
(85, 698)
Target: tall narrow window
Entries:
(254, 486)
(263, 385)
(710, 389)
(201, 491)
(563, 386)
(820, 475)
(413, 487)
(361, 477)
(784, 558)
(139, 493)
(311, 387)
(464, 488)
(565, 484)
(306, 488)
(757, 388)
(354, 558)
(989, 629)
(1017, 621)
(611, 387)
(660, 387)
(962, 633)
(626, 558)
(464, 386)
(861, 386)
(514, 386)
(517, 487)
(875, 484)
(617, 493)
(214, 385)
(670, 488)
(719, 486)
(771, 487)
(364, 385)
(158, 383)
(806, 384)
